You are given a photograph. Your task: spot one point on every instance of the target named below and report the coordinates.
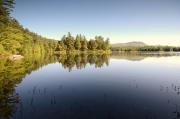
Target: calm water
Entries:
(116, 86)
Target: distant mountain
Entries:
(134, 43)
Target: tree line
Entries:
(145, 48)
(15, 39)
(69, 43)
(68, 61)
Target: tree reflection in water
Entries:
(81, 60)
(12, 73)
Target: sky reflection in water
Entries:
(134, 87)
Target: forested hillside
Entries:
(134, 43)
(15, 39)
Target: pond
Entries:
(89, 86)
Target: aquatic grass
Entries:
(176, 111)
(70, 104)
(161, 88)
(104, 97)
(60, 86)
(136, 86)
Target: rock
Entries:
(16, 57)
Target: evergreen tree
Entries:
(5, 9)
(107, 43)
(77, 43)
(70, 42)
(92, 45)
(60, 46)
(84, 43)
(99, 41)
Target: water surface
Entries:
(120, 85)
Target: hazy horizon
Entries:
(151, 21)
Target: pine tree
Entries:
(84, 43)
(107, 43)
(5, 9)
(77, 43)
(92, 45)
(70, 42)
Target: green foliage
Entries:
(84, 44)
(92, 44)
(5, 9)
(145, 48)
(69, 42)
(81, 44)
(11, 46)
(1, 49)
(60, 46)
(107, 43)
(12, 73)
(8, 4)
(24, 40)
(15, 39)
(77, 43)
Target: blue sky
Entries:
(150, 21)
